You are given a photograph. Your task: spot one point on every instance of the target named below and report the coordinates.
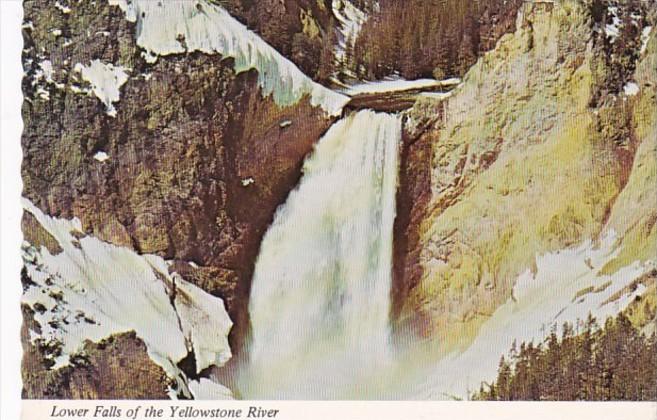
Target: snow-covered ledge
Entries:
(92, 290)
(183, 26)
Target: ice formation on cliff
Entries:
(178, 26)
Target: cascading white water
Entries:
(320, 298)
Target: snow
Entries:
(398, 85)
(62, 8)
(247, 181)
(613, 29)
(207, 332)
(43, 93)
(631, 89)
(541, 301)
(208, 28)
(106, 80)
(101, 156)
(46, 70)
(441, 96)
(351, 21)
(204, 389)
(645, 37)
(93, 290)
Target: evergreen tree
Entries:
(615, 362)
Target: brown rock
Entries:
(116, 368)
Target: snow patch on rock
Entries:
(43, 93)
(439, 96)
(613, 29)
(43, 79)
(92, 290)
(645, 37)
(46, 70)
(179, 26)
(101, 156)
(631, 89)
(106, 80)
(205, 389)
(62, 8)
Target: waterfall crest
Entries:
(320, 299)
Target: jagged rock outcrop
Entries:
(116, 368)
(176, 156)
(549, 142)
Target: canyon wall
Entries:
(189, 162)
(548, 143)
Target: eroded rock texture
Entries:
(549, 142)
(116, 368)
(546, 144)
(191, 167)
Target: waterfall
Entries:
(320, 299)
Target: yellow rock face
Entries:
(524, 165)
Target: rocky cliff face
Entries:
(169, 135)
(302, 30)
(181, 157)
(549, 142)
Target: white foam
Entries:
(320, 300)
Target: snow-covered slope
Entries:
(568, 286)
(178, 26)
(92, 290)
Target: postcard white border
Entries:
(10, 290)
(11, 16)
